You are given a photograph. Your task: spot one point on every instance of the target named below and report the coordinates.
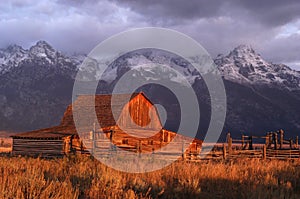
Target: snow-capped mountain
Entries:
(244, 65)
(36, 86)
(41, 53)
(11, 57)
(149, 64)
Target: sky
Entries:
(271, 27)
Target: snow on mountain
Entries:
(43, 50)
(43, 53)
(244, 65)
(11, 57)
(149, 61)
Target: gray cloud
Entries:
(268, 12)
(271, 12)
(173, 11)
(270, 26)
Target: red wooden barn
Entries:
(131, 115)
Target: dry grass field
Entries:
(83, 177)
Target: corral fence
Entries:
(271, 146)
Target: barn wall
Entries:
(35, 147)
(138, 113)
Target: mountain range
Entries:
(36, 87)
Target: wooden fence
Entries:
(273, 147)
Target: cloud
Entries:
(284, 49)
(270, 26)
(173, 11)
(271, 12)
(68, 27)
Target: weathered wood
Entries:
(264, 152)
(139, 112)
(224, 151)
(275, 140)
(267, 140)
(281, 138)
(243, 141)
(43, 148)
(291, 143)
(183, 151)
(250, 143)
(229, 140)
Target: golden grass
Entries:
(84, 177)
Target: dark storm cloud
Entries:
(78, 26)
(222, 25)
(271, 12)
(268, 12)
(174, 11)
(284, 49)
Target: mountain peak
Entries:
(43, 49)
(42, 43)
(244, 65)
(245, 47)
(242, 50)
(14, 48)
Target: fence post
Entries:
(267, 140)
(275, 141)
(224, 151)
(81, 147)
(270, 139)
(229, 140)
(111, 139)
(168, 137)
(297, 142)
(183, 151)
(92, 138)
(250, 142)
(281, 138)
(291, 143)
(230, 146)
(228, 137)
(242, 141)
(264, 152)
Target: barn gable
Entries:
(139, 112)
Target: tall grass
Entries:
(84, 177)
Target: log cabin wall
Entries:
(38, 147)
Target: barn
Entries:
(64, 139)
(49, 142)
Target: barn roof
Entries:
(103, 108)
(103, 111)
(52, 132)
